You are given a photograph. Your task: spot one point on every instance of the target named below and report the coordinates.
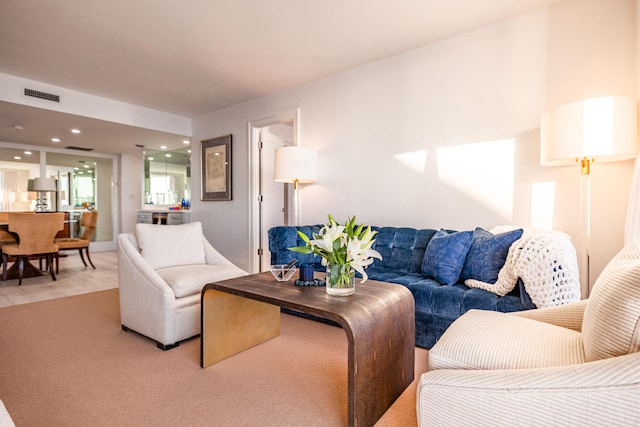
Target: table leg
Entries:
(381, 360)
(30, 270)
(231, 324)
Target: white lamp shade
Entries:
(605, 129)
(295, 163)
(44, 184)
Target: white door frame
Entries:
(254, 175)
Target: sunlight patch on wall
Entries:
(542, 204)
(484, 171)
(415, 160)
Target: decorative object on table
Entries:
(295, 165)
(216, 168)
(306, 272)
(602, 128)
(344, 249)
(283, 272)
(313, 282)
(306, 276)
(41, 186)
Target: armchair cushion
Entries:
(482, 339)
(187, 280)
(186, 239)
(611, 325)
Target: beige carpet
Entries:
(66, 362)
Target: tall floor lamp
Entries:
(592, 130)
(296, 165)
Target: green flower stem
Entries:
(340, 275)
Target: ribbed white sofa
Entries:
(572, 365)
(161, 271)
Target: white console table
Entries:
(165, 217)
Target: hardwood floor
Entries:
(74, 278)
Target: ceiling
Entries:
(191, 58)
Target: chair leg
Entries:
(88, 257)
(82, 257)
(20, 262)
(5, 259)
(58, 262)
(50, 264)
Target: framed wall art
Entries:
(216, 168)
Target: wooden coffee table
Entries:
(379, 321)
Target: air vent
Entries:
(71, 147)
(41, 95)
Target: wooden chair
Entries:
(36, 233)
(89, 220)
(5, 236)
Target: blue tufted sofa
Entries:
(403, 250)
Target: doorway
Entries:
(270, 203)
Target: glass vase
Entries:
(340, 280)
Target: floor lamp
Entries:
(295, 165)
(592, 130)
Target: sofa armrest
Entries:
(567, 316)
(603, 392)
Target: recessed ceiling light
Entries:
(18, 127)
(76, 168)
(186, 141)
(149, 158)
(163, 147)
(86, 166)
(28, 153)
(17, 158)
(189, 150)
(75, 130)
(167, 155)
(55, 139)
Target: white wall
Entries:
(448, 135)
(130, 188)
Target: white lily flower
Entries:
(359, 255)
(352, 253)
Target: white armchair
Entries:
(577, 364)
(161, 272)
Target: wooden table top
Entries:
(370, 296)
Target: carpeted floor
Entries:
(66, 362)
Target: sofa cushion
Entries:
(171, 245)
(611, 325)
(487, 254)
(187, 280)
(445, 255)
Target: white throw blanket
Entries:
(547, 264)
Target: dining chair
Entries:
(36, 233)
(5, 236)
(88, 220)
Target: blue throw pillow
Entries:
(487, 254)
(445, 255)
